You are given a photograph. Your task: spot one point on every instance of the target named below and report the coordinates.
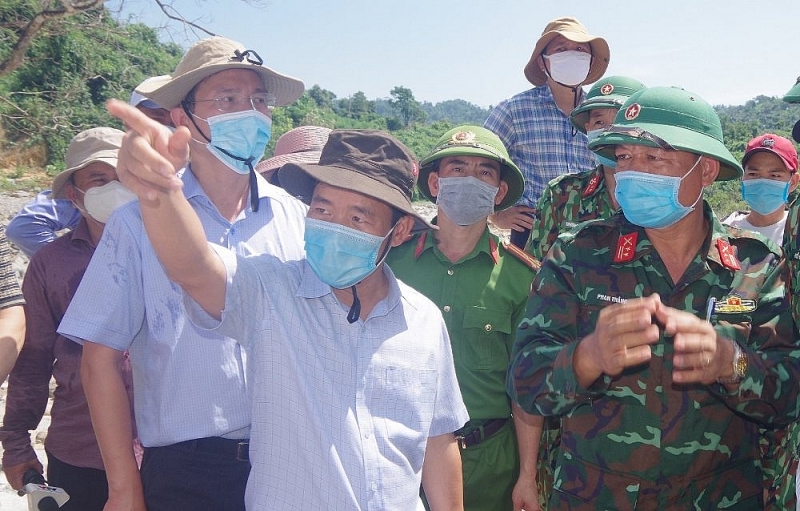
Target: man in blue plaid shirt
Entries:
(534, 125)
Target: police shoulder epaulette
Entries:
(527, 259)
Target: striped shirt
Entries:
(540, 139)
(10, 292)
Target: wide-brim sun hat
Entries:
(138, 99)
(671, 116)
(370, 162)
(87, 147)
(473, 141)
(608, 92)
(573, 30)
(300, 145)
(210, 56)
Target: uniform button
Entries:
(488, 327)
(374, 486)
(366, 435)
(446, 308)
(450, 271)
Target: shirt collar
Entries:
(487, 244)
(81, 233)
(192, 188)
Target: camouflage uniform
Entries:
(638, 441)
(567, 201)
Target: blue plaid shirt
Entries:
(540, 140)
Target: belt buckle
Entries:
(243, 451)
(462, 441)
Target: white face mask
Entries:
(569, 68)
(101, 201)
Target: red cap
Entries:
(782, 147)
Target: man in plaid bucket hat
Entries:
(192, 406)
(355, 398)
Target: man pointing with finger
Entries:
(660, 337)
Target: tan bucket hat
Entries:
(211, 56)
(87, 147)
(573, 30)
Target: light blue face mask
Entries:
(765, 196)
(238, 139)
(651, 201)
(466, 200)
(340, 256)
(606, 162)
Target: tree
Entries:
(405, 106)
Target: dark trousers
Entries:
(87, 487)
(196, 474)
(520, 238)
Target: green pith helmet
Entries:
(473, 141)
(793, 96)
(670, 118)
(609, 92)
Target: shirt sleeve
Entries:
(38, 222)
(29, 381)
(10, 292)
(546, 225)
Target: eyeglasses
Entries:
(263, 102)
(635, 132)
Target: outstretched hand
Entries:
(151, 154)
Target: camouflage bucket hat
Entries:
(670, 118)
(793, 96)
(473, 141)
(610, 92)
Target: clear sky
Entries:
(727, 51)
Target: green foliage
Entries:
(406, 108)
(71, 69)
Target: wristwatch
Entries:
(739, 365)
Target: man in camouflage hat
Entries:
(481, 287)
(574, 198)
(660, 337)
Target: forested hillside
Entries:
(73, 65)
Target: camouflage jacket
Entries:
(639, 441)
(567, 201)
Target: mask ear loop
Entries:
(253, 182)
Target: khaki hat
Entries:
(211, 56)
(300, 145)
(369, 162)
(87, 147)
(573, 30)
(473, 141)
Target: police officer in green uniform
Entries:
(574, 198)
(481, 286)
(662, 338)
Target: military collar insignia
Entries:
(632, 112)
(420, 244)
(727, 255)
(593, 184)
(606, 89)
(734, 305)
(626, 247)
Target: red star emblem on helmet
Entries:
(632, 112)
(606, 89)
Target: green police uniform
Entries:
(568, 200)
(638, 440)
(482, 298)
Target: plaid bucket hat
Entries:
(300, 145)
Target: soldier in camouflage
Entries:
(662, 338)
(574, 198)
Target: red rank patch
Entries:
(420, 245)
(593, 184)
(626, 247)
(727, 254)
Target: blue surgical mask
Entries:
(651, 201)
(466, 200)
(606, 162)
(340, 256)
(239, 138)
(765, 196)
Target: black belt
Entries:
(228, 447)
(481, 433)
